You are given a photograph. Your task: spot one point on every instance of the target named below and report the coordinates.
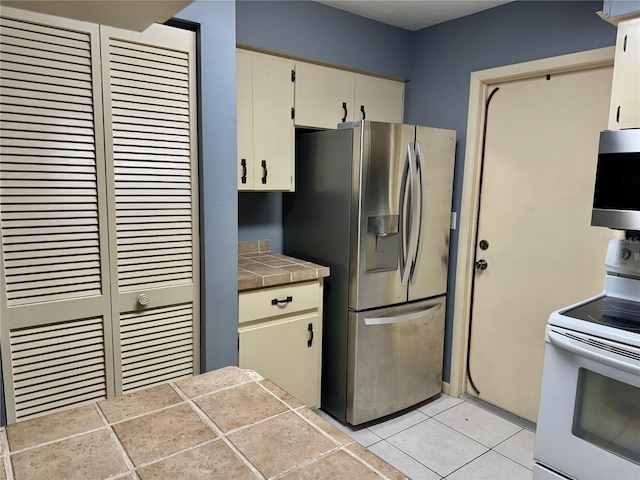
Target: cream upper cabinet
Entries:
(324, 96)
(378, 99)
(625, 90)
(265, 126)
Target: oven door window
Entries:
(607, 414)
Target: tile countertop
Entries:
(229, 423)
(258, 267)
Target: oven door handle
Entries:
(594, 353)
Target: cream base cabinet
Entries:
(625, 89)
(280, 337)
(378, 99)
(265, 127)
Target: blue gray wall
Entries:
(219, 245)
(446, 54)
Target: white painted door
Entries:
(535, 207)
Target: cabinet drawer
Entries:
(271, 302)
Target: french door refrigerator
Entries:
(373, 202)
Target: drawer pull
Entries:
(310, 330)
(275, 301)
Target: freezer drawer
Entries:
(395, 358)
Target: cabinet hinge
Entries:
(293, 75)
(293, 113)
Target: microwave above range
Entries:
(616, 199)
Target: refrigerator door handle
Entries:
(417, 206)
(405, 235)
(413, 220)
(402, 318)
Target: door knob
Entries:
(143, 299)
(481, 264)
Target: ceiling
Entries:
(413, 14)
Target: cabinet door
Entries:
(378, 99)
(273, 130)
(324, 96)
(625, 90)
(244, 97)
(286, 351)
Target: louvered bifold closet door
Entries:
(150, 128)
(55, 315)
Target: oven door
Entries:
(589, 417)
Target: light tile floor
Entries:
(449, 438)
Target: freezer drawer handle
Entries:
(275, 301)
(402, 318)
(310, 330)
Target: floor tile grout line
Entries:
(308, 462)
(179, 452)
(318, 429)
(60, 439)
(6, 457)
(403, 452)
(466, 463)
(471, 438)
(150, 412)
(400, 431)
(230, 387)
(363, 461)
(220, 433)
(509, 458)
(123, 452)
(413, 458)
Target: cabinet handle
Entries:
(275, 301)
(618, 114)
(364, 115)
(310, 330)
(243, 163)
(264, 171)
(344, 106)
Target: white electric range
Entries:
(589, 417)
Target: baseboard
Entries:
(446, 388)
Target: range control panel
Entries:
(623, 257)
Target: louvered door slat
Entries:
(27, 97)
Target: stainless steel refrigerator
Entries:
(373, 202)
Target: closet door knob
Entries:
(143, 299)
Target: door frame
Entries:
(478, 90)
